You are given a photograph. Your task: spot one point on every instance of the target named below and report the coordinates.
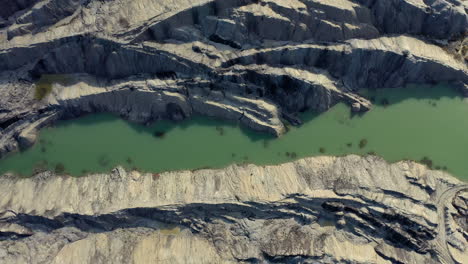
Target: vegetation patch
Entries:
(427, 161)
(103, 161)
(45, 83)
(59, 168)
(41, 166)
(384, 102)
(363, 143)
(156, 176)
(159, 134)
(220, 130)
(123, 22)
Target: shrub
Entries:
(159, 134)
(384, 102)
(427, 161)
(40, 167)
(59, 168)
(220, 130)
(123, 22)
(42, 90)
(362, 143)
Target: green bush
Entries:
(362, 143)
(45, 83)
(59, 168)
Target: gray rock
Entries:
(27, 138)
(245, 60)
(324, 209)
(356, 107)
(463, 88)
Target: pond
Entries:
(423, 123)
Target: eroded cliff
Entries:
(256, 61)
(259, 62)
(326, 209)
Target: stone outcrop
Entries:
(259, 62)
(316, 210)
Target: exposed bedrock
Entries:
(433, 18)
(250, 22)
(382, 62)
(146, 100)
(317, 210)
(40, 15)
(9, 8)
(258, 62)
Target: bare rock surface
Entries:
(259, 62)
(256, 61)
(325, 209)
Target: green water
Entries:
(417, 122)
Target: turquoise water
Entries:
(420, 123)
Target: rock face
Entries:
(317, 210)
(258, 62)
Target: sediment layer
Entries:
(259, 62)
(325, 209)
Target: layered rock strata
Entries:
(259, 62)
(316, 210)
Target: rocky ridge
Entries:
(256, 61)
(317, 210)
(259, 62)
